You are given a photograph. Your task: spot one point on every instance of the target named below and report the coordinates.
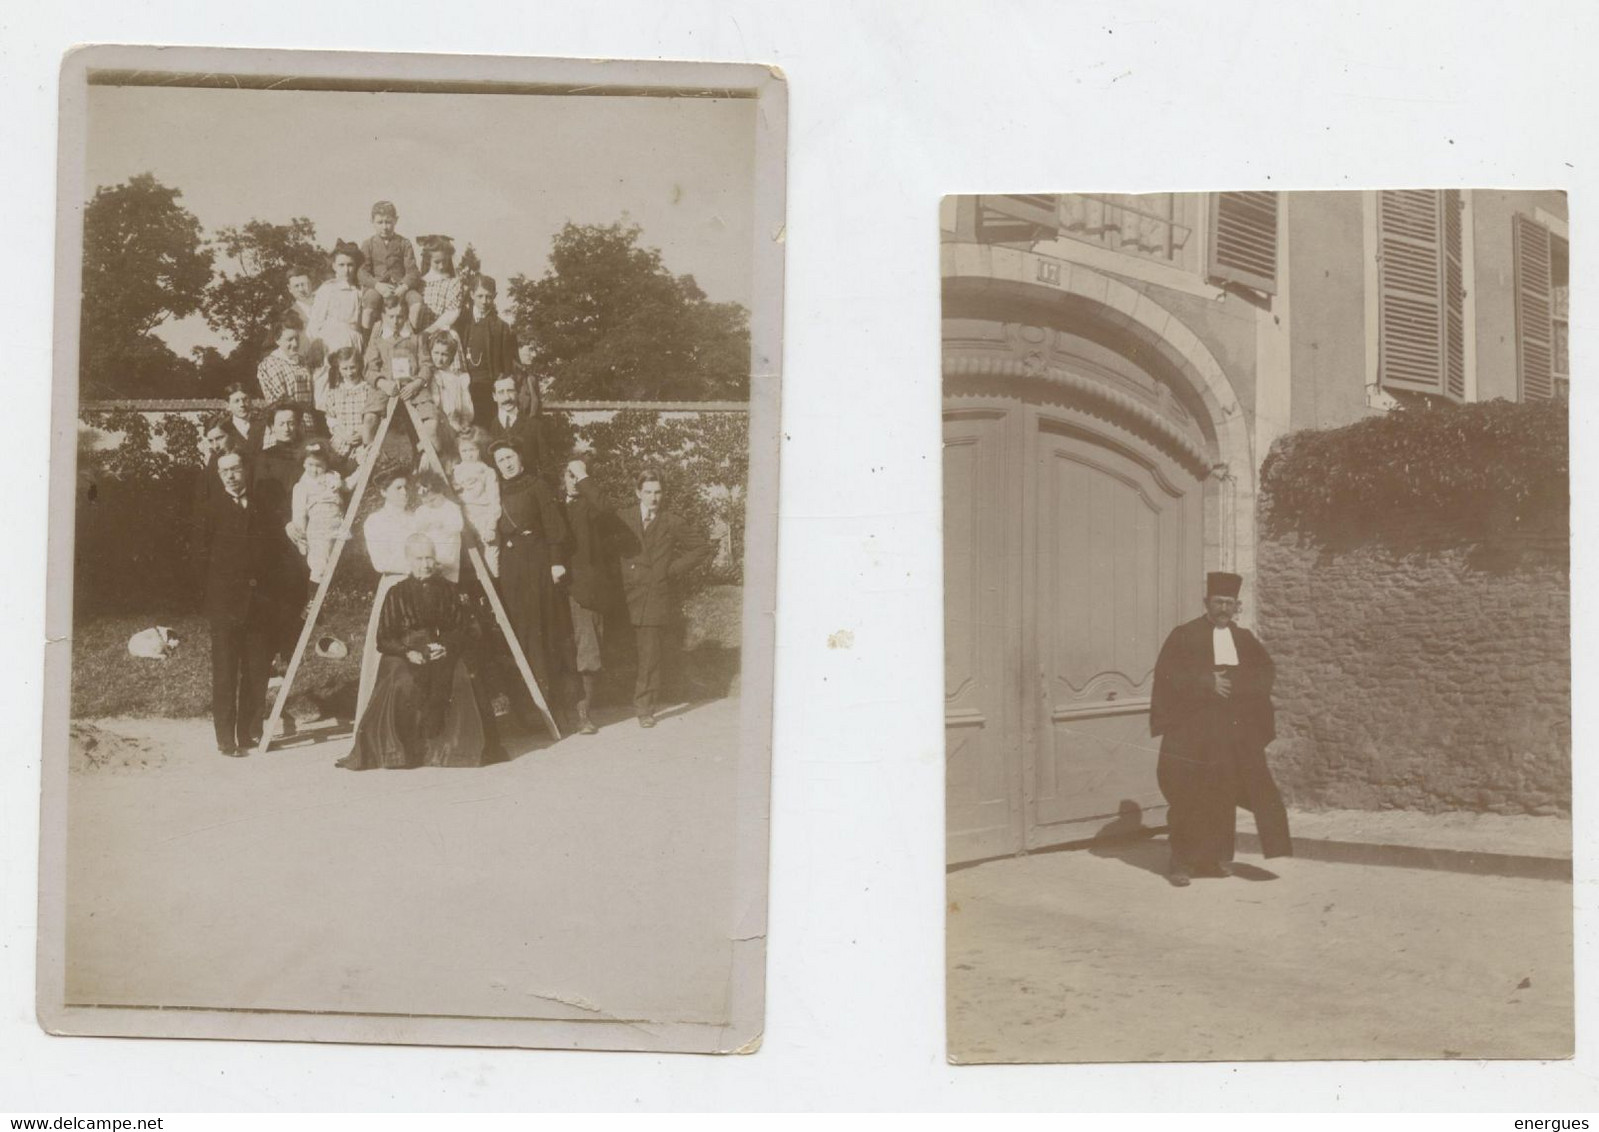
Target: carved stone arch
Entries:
(981, 277)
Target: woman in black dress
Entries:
(533, 545)
(426, 707)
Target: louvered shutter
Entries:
(1454, 297)
(1535, 329)
(1243, 243)
(1421, 340)
(1018, 218)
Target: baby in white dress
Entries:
(317, 511)
(477, 486)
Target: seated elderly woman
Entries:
(427, 709)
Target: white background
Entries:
(891, 105)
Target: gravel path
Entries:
(1090, 956)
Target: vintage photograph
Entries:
(1257, 501)
(414, 562)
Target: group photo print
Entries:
(414, 433)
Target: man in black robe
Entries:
(1211, 704)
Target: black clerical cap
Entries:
(1219, 584)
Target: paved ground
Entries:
(1499, 834)
(589, 879)
(1089, 955)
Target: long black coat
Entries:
(533, 538)
(1184, 707)
(652, 561)
(1213, 749)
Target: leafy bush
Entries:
(133, 517)
(704, 461)
(1467, 463)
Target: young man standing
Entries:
(659, 548)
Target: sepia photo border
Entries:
(329, 70)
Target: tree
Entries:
(244, 303)
(467, 269)
(144, 262)
(609, 321)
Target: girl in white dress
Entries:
(335, 322)
(451, 384)
(336, 307)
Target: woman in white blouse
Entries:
(384, 533)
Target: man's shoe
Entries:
(1179, 878)
(646, 721)
(232, 752)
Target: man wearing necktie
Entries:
(657, 549)
(1211, 706)
(239, 547)
(513, 423)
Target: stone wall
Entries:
(1425, 667)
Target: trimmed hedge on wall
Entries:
(1414, 590)
(1468, 464)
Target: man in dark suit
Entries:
(1211, 704)
(239, 422)
(238, 540)
(658, 548)
(590, 581)
(273, 472)
(513, 423)
(490, 347)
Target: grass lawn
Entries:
(107, 681)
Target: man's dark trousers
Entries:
(651, 641)
(241, 662)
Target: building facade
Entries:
(1116, 368)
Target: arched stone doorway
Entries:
(1087, 489)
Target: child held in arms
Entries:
(390, 269)
(477, 486)
(317, 509)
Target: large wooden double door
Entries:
(1070, 551)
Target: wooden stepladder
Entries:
(474, 554)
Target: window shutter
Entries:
(1018, 219)
(1535, 331)
(1421, 344)
(1454, 297)
(1243, 243)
